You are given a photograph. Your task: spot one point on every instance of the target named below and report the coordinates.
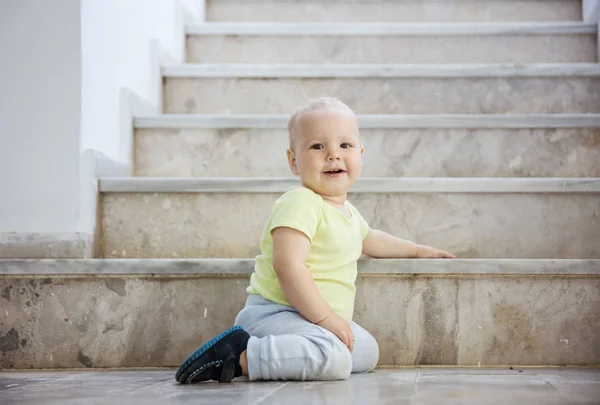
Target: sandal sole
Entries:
(200, 351)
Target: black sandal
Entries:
(222, 363)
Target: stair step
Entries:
(396, 145)
(392, 11)
(500, 218)
(307, 71)
(389, 152)
(153, 313)
(362, 185)
(526, 42)
(409, 29)
(385, 89)
(245, 267)
(376, 121)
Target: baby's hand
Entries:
(424, 251)
(339, 327)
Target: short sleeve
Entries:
(300, 209)
(364, 226)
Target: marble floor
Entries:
(384, 386)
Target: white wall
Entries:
(121, 64)
(591, 10)
(40, 105)
(72, 73)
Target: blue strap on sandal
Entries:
(218, 359)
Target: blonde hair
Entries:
(311, 106)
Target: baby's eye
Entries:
(346, 145)
(317, 146)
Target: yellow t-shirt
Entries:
(336, 245)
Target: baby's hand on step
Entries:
(339, 327)
(429, 252)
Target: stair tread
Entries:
(372, 121)
(363, 185)
(231, 267)
(277, 70)
(384, 28)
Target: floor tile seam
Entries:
(63, 380)
(416, 383)
(260, 400)
(143, 389)
(30, 383)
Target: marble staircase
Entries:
(450, 42)
(392, 11)
(481, 124)
(153, 312)
(472, 217)
(385, 89)
(506, 145)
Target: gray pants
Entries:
(285, 346)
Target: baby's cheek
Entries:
(357, 161)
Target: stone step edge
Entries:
(408, 29)
(417, 121)
(363, 185)
(244, 267)
(278, 71)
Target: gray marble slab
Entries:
(356, 70)
(385, 95)
(393, 49)
(237, 267)
(414, 386)
(377, 121)
(62, 245)
(421, 29)
(363, 185)
(98, 322)
(471, 225)
(392, 11)
(389, 152)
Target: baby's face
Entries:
(326, 152)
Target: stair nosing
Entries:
(375, 121)
(244, 267)
(407, 29)
(456, 185)
(278, 71)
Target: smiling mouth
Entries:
(338, 171)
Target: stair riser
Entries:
(386, 95)
(388, 153)
(159, 321)
(229, 225)
(392, 49)
(317, 11)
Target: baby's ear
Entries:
(362, 149)
(292, 161)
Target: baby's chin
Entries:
(327, 191)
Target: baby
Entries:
(297, 321)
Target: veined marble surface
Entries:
(405, 185)
(406, 386)
(377, 70)
(388, 153)
(386, 11)
(395, 28)
(386, 95)
(244, 267)
(142, 321)
(376, 121)
(373, 48)
(25, 245)
(227, 225)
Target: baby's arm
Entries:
(382, 245)
(290, 251)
